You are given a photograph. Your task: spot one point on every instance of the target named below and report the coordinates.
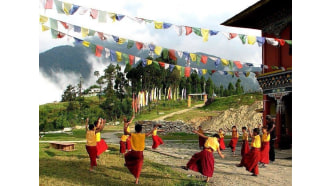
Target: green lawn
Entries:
(71, 168)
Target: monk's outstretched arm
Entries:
(220, 154)
(201, 135)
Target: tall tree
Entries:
(69, 94)
(239, 87)
(231, 89)
(209, 87)
(221, 91)
(120, 83)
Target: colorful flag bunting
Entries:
(180, 53)
(118, 54)
(224, 62)
(272, 41)
(149, 62)
(182, 72)
(60, 35)
(84, 32)
(125, 58)
(281, 41)
(200, 72)
(86, 43)
(119, 17)
(158, 25)
(58, 5)
(225, 72)
(188, 30)
(205, 34)
(44, 28)
(49, 4)
(73, 9)
(76, 28)
(98, 50)
(197, 31)
(67, 8)
(193, 57)
(113, 55)
(130, 44)
(249, 64)
(158, 50)
(131, 59)
(260, 40)
(172, 54)
(137, 59)
(251, 39)
(231, 64)
(242, 37)
(166, 66)
(138, 45)
(221, 73)
(238, 64)
(102, 16)
(204, 59)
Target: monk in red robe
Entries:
(234, 139)
(155, 138)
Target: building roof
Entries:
(270, 16)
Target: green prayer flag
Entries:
(182, 72)
(92, 47)
(58, 5)
(91, 32)
(231, 64)
(198, 58)
(148, 20)
(53, 23)
(125, 58)
(165, 53)
(130, 44)
(288, 42)
(242, 37)
(156, 65)
(54, 33)
(197, 31)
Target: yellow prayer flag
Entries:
(178, 67)
(193, 57)
(205, 34)
(251, 39)
(67, 7)
(149, 62)
(230, 72)
(112, 16)
(86, 43)
(118, 56)
(44, 28)
(225, 62)
(204, 71)
(43, 19)
(84, 32)
(121, 41)
(158, 50)
(158, 25)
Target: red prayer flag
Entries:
(204, 59)
(281, 41)
(60, 35)
(66, 26)
(49, 4)
(98, 50)
(187, 71)
(139, 45)
(238, 64)
(94, 13)
(188, 30)
(232, 35)
(131, 59)
(161, 64)
(213, 71)
(172, 54)
(236, 74)
(101, 36)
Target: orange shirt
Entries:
(138, 141)
(256, 143)
(98, 136)
(124, 138)
(265, 137)
(212, 142)
(245, 136)
(234, 134)
(91, 138)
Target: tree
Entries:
(231, 89)
(108, 78)
(209, 87)
(120, 83)
(221, 91)
(69, 94)
(239, 88)
(202, 83)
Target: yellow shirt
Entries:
(212, 142)
(138, 141)
(234, 134)
(90, 137)
(98, 136)
(154, 133)
(245, 136)
(265, 137)
(256, 143)
(124, 138)
(221, 135)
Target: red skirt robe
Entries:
(202, 162)
(92, 151)
(233, 143)
(251, 159)
(101, 146)
(245, 148)
(156, 141)
(264, 152)
(222, 143)
(134, 162)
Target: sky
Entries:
(202, 14)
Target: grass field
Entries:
(71, 168)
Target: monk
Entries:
(134, 158)
(101, 146)
(203, 161)
(125, 140)
(251, 159)
(245, 142)
(155, 138)
(222, 139)
(201, 140)
(234, 139)
(264, 151)
(91, 143)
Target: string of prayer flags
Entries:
(125, 58)
(60, 35)
(172, 54)
(182, 72)
(158, 25)
(166, 66)
(107, 53)
(54, 33)
(216, 63)
(288, 42)
(178, 29)
(112, 16)
(272, 41)
(193, 57)
(242, 37)
(77, 28)
(86, 43)
(204, 59)
(167, 25)
(66, 26)
(151, 47)
(92, 47)
(91, 32)
(101, 36)
(198, 59)
(58, 6)
(84, 32)
(144, 63)
(188, 30)
(73, 9)
(213, 32)
(231, 64)
(205, 34)
(113, 55)
(138, 45)
(237, 74)
(178, 67)
(98, 50)
(118, 54)
(43, 19)
(186, 56)
(224, 62)
(171, 67)
(158, 50)
(119, 17)
(260, 40)
(204, 71)
(53, 23)
(251, 39)
(161, 64)
(280, 41)
(130, 44)
(149, 62)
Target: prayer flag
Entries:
(158, 25)
(121, 41)
(165, 53)
(200, 72)
(217, 62)
(281, 41)
(205, 34)
(167, 25)
(178, 29)
(204, 59)
(60, 35)
(232, 35)
(178, 67)
(251, 39)
(224, 62)
(272, 41)
(49, 4)
(238, 64)
(231, 64)
(119, 17)
(101, 36)
(151, 47)
(182, 72)
(237, 74)
(213, 32)
(58, 5)
(113, 55)
(112, 16)
(125, 58)
(130, 44)
(107, 52)
(187, 71)
(118, 54)
(260, 40)
(193, 57)
(172, 54)
(43, 19)
(288, 42)
(73, 9)
(91, 32)
(84, 32)
(242, 37)
(166, 66)
(92, 47)
(225, 73)
(144, 63)
(86, 43)
(186, 56)
(64, 25)
(161, 64)
(197, 31)
(98, 50)
(67, 8)
(138, 45)
(115, 38)
(180, 53)
(204, 71)
(221, 73)
(158, 50)
(53, 23)
(246, 74)
(83, 10)
(77, 41)
(102, 16)
(171, 67)
(249, 64)
(149, 62)
(131, 59)
(76, 28)
(44, 28)
(188, 30)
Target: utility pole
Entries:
(80, 86)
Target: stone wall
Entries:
(168, 126)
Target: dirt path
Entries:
(176, 154)
(178, 112)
